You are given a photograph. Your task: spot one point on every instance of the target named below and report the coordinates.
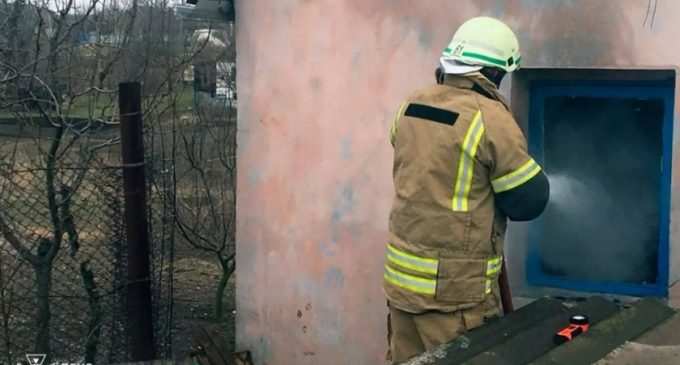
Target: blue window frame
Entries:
(540, 91)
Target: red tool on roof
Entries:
(578, 324)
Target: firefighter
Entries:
(461, 170)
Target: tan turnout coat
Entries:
(455, 144)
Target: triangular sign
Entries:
(36, 359)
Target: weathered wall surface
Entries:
(318, 82)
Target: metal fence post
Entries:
(139, 318)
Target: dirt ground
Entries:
(196, 277)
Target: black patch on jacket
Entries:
(432, 114)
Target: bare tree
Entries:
(58, 193)
(206, 190)
(60, 62)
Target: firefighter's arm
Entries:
(519, 184)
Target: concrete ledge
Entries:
(665, 334)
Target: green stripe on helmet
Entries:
(482, 57)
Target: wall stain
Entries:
(346, 148)
(328, 249)
(334, 278)
(356, 57)
(315, 83)
(344, 204)
(425, 37)
(255, 176)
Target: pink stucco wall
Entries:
(318, 82)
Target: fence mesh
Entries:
(67, 296)
(159, 147)
(71, 299)
(63, 248)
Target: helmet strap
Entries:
(439, 75)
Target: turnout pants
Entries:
(410, 334)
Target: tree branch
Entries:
(14, 241)
(52, 193)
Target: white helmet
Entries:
(484, 42)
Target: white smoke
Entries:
(590, 234)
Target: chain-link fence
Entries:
(160, 163)
(63, 249)
(63, 260)
(61, 295)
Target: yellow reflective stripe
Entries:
(466, 164)
(410, 282)
(488, 287)
(516, 178)
(412, 262)
(493, 270)
(494, 266)
(393, 128)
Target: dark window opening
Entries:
(603, 156)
